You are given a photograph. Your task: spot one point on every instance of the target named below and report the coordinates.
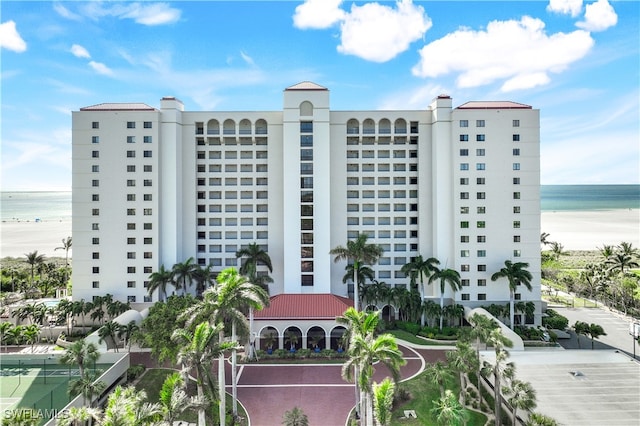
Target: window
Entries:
(480, 224)
(95, 182)
(131, 168)
(131, 226)
(95, 139)
(147, 212)
(131, 124)
(131, 284)
(464, 282)
(95, 168)
(516, 166)
(480, 181)
(479, 138)
(482, 296)
(465, 296)
(95, 255)
(464, 224)
(147, 154)
(147, 197)
(481, 253)
(480, 166)
(464, 268)
(95, 212)
(516, 253)
(464, 253)
(131, 255)
(516, 195)
(479, 123)
(464, 181)
(516, 138)
(131, 154)
(306, 280)
(131, 299)
(306, 168)
(464, 152)
(464, 195)
(95, 125)
(464, 123)
(516, 224)
(464, 238)
(147, 226)
(516, 151)
(95, 154)
(306, 127)
(480, 195)
(147, 125)
(464, 166)
(516, 209)
(480, 152)
(95, 197)
(516, 123)
(481, 210)
(516, 238)
(481, 238)
(516, 181)
(482, 268)
(464, 210)
(147, 139)
(306, 182)
(95, 284)
(147, 168)
(131, 197)
(148, 240)
(147, 182)
(95, 241)
(306, 140)
(131, 212)
(131, 139)
(95, 269)
(131, 182)
(147, 255)
(464, 138)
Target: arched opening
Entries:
(229, 127)
(388, 313)
(261, 127)
(213, 127)
(371, 308)
(292, 339)
(337, 343)
(316, 339)
(245, 127)
(353, 127)
(400, 126)
(269, 339)
(306, 109)
(368, 127)
(384, 126)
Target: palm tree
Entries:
(79, 416)
(88, 386)
(203, 278)
(594, 331)
(108, 333)
(20, 416)
(516, 274)
(417, 270)
(448, 410)
(14, 334)
(128, 407)
(383, 393)
(621, 261)
(4, 327)
(606, 251)
(183, 274)
(363, 273)
(464, 361)
(174, 400)
(128, 331)
(544, 238)
(500, 344)
(523, 396)
(628, 249)
(31, 334)
(445, 276)
(200, 349)
(81, 353)
(66, 246)
(481, 331)
(255, 256)
(357, 252)
(557, 249)
(34, 259)
(158, 281)
(439, 375)
(295, 417)
(226, 303)
(537, 419)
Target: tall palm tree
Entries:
(606, 251)
(34, 259)
(500, 368)
(108, 333)
(79, 416)
(621, 261)
(445, 276)
(464, 361)
(295, 417)
(88, 386)
(516, 274)
(128, 407)
(174, 400)
(183, 274)
(31, 334)
(523, 396)
(199, 349)
(482, 327)
(203, 278)
(448, 410)
(362, 274)
(383, 393)
(225, 303)
(255, 256)
(439, 374)
(66, 246)
(4, 327)
(357, 252)
(417, 270)
(128, 331)
(81, 353)
(158, 281)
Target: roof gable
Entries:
(306, 85)
(127, 106)
(305, 306)
(493, 105)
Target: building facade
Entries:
(154, 187)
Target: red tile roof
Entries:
(306, 85)
(493, 105)
(305, 306)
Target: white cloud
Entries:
(10, 38)
(598, 16)
(66, 13)
(565, 7)
(412, 98)
(248, 59)
(100, 68)
(379, 33)
(518, 52)
(318, 14)
(79, 51)
(143, 13)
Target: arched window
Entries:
(245, 127)
(261, 127)
(384, 126)
(400, 126)
(306, 109)
(213, 127)
(229, 127)
(353, 127)
(368, 127)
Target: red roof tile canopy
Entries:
(493, 105)
(305, 306)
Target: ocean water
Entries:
(49, 206)
(31, 206)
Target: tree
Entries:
(81, 353)
(79, 416)
(383, 401)
(523, 396)
(295, 417)
(500, 344)
(448, 411)
(481, 331)
(464, 361)
(198, 350)
(5, 326)
(621, 261)
(580, 328)
(362, 274)
(557, 250)
(516, 274)
(417, 270)
(594, 331)
(438, 374)
(158, 281)
(88, 386)
(174, 400)
(445, 276)
(255, 256)
(14, 335)
(128, 331)
(34, 259)
(127, 406)
(31, 334)
(108, 333)
(544, 238)
(66, 246)
(537, 419)
(357, 252)
(183, 274)
(203, 278)
(163, 319)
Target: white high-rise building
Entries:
(155, 187)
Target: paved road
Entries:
(616, 327)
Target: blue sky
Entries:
(575, 61)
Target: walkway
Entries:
(268, 390)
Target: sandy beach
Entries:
(20, 237)
(576, 230)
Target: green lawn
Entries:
(408, 337)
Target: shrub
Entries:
(555, 320)
(410, 327)
(135, 371)
(304, 353)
